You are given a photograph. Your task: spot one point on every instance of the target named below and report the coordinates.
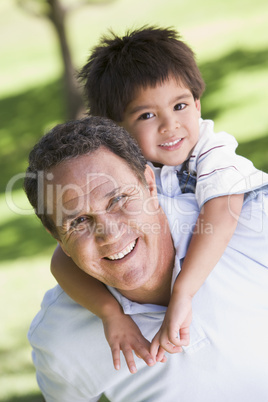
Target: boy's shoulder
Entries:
(207, 135)
(210, 141)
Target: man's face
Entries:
(164, 120)
(107, 220)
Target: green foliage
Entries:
(25, 118)
(35, 7)
(36, 397)
(232, 82)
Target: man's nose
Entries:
(169, 123)
(108, 229)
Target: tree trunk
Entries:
(74, 99)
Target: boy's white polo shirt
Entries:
(219, 170)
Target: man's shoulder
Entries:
(56, 307)
(50, 299)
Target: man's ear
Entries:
(59, 243)
(150, 180)
(151, 186)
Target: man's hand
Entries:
(175, 330)
(123, 334)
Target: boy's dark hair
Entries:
(69, 140)
(119, 66)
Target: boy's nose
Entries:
(169, 123)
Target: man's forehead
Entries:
(101, 162)
(92, 186)
(87, 181)
(95, 176)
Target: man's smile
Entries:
(124, 252)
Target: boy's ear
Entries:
(198, 106)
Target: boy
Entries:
(149, 83)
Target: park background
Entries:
(230, 39)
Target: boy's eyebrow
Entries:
(139, 108)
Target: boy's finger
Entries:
(184, 336)
(164, 359)
(181, 339)
(116, 358)
(128, 353)
(154, 346)
(142, 353)
(170, 348)
(160, 357)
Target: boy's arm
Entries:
(215, 226)
(120, 330)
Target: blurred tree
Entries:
(56, 11)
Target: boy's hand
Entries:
(175, 330)
(123, 334)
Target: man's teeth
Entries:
(169, 144)
(123, 253)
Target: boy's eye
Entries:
(146, 116)
(180, 106)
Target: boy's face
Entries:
(164, 120)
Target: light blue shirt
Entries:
(227, 358)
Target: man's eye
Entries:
(78, 221)
(180, 106)
(117, 201)
(146, 116)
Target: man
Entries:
(93, 191)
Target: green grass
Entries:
(230, 40)
(22, 283)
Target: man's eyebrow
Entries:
(140, 108)
(113, 192)
(69, 217)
